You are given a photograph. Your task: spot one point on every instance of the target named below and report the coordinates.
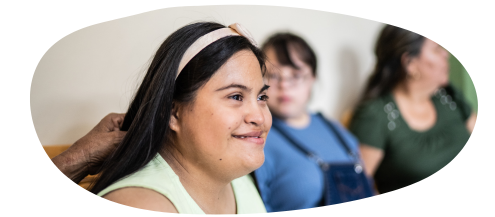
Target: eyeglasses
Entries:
(294, 80)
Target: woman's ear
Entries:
(409, 64)
(174, 118)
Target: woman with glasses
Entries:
(289, 179)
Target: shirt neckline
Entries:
(176, 179)
(391, 98)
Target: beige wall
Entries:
(95, 71)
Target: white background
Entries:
(32, 185)
(95, 70)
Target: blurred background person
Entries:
(289, 179)
(410, 121)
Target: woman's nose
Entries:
(255, 115)
(445, 53)
(284, 82)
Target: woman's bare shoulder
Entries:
(142, 198)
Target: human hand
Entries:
(87, 154)
(101, 141)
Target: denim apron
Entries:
(343, 182)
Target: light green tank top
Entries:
(157, 175)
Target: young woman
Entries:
(289, 179)
(411, 122)
(195, 128)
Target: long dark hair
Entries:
(148, 116)
(280, 43)
(393, 42)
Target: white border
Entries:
(30, 28)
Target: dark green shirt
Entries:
(409, 155)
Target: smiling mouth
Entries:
(284, 99)
(243, 137)
(257, 139)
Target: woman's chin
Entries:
(259, 162)
(285, 112)
(253, 162)
(445, 83)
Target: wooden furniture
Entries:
(54, 150)
(345, 120)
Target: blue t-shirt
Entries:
(288, 180)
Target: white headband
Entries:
(205, 40)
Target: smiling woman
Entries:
(196, 127)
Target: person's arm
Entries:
(372, 157)
(468, 114)
(86, 154)
(141, 198)
(470, 122)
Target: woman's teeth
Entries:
(242, 137)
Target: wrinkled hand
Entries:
(101, 141)
(87, 154)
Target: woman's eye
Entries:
(236, 97)
(263, 98)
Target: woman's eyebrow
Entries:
(264, 88)
(240, 86)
